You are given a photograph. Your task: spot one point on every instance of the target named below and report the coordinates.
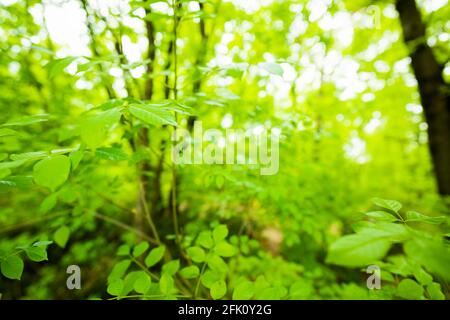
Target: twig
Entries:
(125, 227)
(147, 213)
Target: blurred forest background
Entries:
(357, 91)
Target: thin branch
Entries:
(28, 223)
(125, 226)
(147, 213)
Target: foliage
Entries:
(87, 176)
(422, 250)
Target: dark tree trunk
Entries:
(151, 56)
(434, 92)
(200, 61)
(143, 199)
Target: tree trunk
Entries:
(143, 135)
(200, 61)
(434, 92)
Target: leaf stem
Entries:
(143, 267)
(198, 281)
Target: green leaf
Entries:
(111, 104)
(115, 287)
(36, 253)
(214, 103)
(381, 215)
(11, 164)
(387, 276)
(140, 249)
(68, 193)
(272, 68)
(435, 291)
(224, 249)
(220, 232)
(243, 291)
(304, 289)
(392, 205)
(129, 281)
(218, 289)
(152, 114)
(6, 132)
(190, 272)
(432, 254)
(94, 129)
(416, 216)
(115, 154)
(48, 203)
(4, 173)
(76, 157)
(227, 94)
(142, 283)
(260, 284)
(205, 240)
(57, 66)
(217, 264)
(422, 276)
(358, 250)
(181, 108)
(236, 70)
(210, 277)
(166, 284)
(272, 293)
(171, 267)
(155, 256)
(25, 120)
(29, 156)
(12, 267)
(61, 236)
(409, 289)
(390, 231)
(197, 254)
(52, 172)
(123, 250)
(43, 243)
(88, 65)
(119, 270)
(16, 182)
